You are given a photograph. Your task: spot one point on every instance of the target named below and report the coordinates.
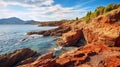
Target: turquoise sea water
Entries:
(11, 38)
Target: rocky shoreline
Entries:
(100, 45)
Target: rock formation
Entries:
(104, 29)
(43, 61)
(9, 60)
(102, 32)
(91, 55)
(54, 32)
(70, 38)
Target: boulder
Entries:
(70, 38)
(44, 60)
(9, 60)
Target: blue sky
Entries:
(49, 10)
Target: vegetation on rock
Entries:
(99, 11)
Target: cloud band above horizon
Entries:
(43, 10)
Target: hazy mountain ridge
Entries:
(15, 20)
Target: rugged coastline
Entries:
(100, 45)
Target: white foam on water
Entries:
(12, 37)
(58, 48)
(36, 35)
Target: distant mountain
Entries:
(15, 20)
(29, 22)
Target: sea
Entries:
(13, 37)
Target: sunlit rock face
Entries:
(90, 55)
(100, 33)
(71, 38)
(104, 29)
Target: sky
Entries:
(49, 10)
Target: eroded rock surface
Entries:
(104, 29)
(91, 55)
(100, 33)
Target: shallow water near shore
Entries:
(12, 37)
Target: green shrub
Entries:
(107, 9)
(87, 18)
(76, 18)
(99, 11)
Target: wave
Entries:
(58, 48)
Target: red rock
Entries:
(63, 62)
(90, 55)
(8, 60)
(46, 56)
(113, 61)
(110, 17)
(41, 63)
(102, 32)
(70, 38)
(27, 61)
(104, 29)
(117, 43)
(80, 57)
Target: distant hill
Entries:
(15, 20)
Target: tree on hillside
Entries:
(99, 11)
(77, 18)
(109, 8)
(88, 17)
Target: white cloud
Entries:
(27, 3)
(42, 10)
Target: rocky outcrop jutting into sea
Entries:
(102, 35)
(12, 59)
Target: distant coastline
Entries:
(15, 20)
